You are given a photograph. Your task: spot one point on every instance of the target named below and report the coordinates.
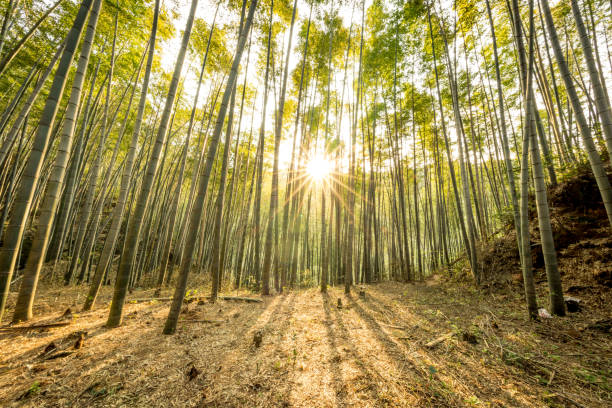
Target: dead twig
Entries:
(439, 340)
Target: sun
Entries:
(319, 168)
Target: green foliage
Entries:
(219, 58)
(34, 388)
(191, 293)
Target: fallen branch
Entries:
(14, 281)
(439, 340)
(395, 327)
(195, 298)
(33, 327)
(203, 321)
(59, 354)
(153, 299)
(573, 401)
(242, 299)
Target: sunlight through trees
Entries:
(272, 145)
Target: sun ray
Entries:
(304, 183)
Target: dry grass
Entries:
(370, 353)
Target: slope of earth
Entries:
(581, 232)
(402, 345)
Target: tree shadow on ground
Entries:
(432, 391)
(285, 324)
(370, 373)
(81, 323)
(244, 376)
(334, 363)
(463, 362)
(132, 356)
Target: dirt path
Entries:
(371, 352)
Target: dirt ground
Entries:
(371, 352)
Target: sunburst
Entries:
(319, 168)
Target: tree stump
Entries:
(257, 338)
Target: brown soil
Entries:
(372, 352)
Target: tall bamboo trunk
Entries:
(66, 202)
(504, 133)
(86, 209)
(217, 247)
(265, 272)
(451, 166)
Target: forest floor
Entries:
(372, 352)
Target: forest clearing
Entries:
(305, 203)
(369, 352)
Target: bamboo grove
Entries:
(271, 145)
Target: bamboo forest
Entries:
(305, 203)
